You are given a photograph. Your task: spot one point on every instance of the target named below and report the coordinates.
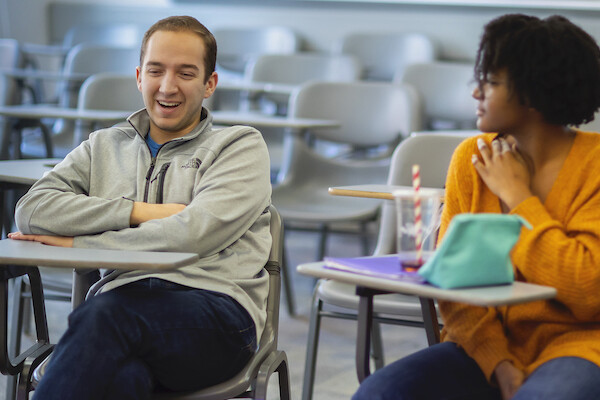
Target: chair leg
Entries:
(324, 233)
(364, 234)
(284, 379)
(16, 331)
(377, 346)
(314, 327)
(287, 286)
(275, 362)
(363, 335)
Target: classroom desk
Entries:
(38, 112)
(18, 252)
(373, 191)
(256, 87)
(22, 75)
(367, 287)
(24, 115)
(18, 258)
(260, 120)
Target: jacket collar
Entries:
(140, 121)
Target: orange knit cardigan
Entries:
(562, 250)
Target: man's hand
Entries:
(504, 171)
(509, 379)
(59, 241)
(143, 212)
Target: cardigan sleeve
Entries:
(478, 330)
(563, 251)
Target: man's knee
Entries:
(133, 380)
(100, 311)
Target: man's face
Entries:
(171, 80)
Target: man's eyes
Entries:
(184, 75)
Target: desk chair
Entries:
(299, 68)
(252, 380)
(293, 69)
(339, 300)
(87, 59)
(106, 91)
(10, 57)
(113, 34)
(238, 45)
(445, 89)
(371, 114)
(383, 54)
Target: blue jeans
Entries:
(146, 336)
(444, 372)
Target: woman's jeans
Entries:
(146, 336)
(444, 372)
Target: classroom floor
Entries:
(335, 376)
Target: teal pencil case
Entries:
(475, 251)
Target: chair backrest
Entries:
(238, 45)
(124, 35)
(106, 91)
(10, 57)
(273, 267)
(369, 113)
(298, 68)
(445, 89)
(110, 91)
(383, 54)
(94, 59)
(432, 152)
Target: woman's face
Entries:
(499, 109)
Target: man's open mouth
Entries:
(168, 104)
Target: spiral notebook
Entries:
(380, 267)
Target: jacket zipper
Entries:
(161, 182)
(148, 176)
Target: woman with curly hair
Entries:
(537, 79)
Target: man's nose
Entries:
(168, 83)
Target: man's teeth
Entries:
(165, 104)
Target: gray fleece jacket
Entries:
(222, 175)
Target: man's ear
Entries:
(211, 84)
(138, 77)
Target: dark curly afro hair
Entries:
(552, 64)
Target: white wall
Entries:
(320, 24)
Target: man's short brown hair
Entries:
(184, 23)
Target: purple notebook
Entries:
(380, 267)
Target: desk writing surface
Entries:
(256, 119)
(516, 293)
(261, 87)
(37, 112)
(219, 117)
(25, 172)
(20, 73)
(18, 252)
(374, 191)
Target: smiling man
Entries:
(167, 182)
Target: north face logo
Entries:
(193, 163)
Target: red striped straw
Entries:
(416, 181)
